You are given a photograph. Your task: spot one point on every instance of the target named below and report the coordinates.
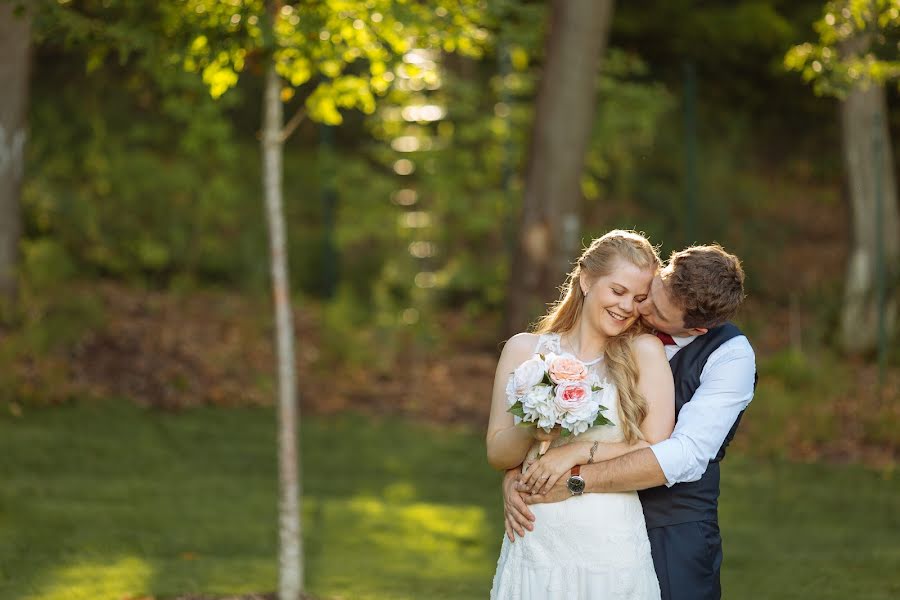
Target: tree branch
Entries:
(292, 125)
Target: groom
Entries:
(689, 304)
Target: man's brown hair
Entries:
(707, 283)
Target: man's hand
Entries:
(550, 468)
(518, 516)
(558, 493)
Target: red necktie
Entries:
(665, 338)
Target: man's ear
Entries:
(698, 330)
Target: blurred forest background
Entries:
(136, 363)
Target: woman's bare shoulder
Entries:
(519, 347)
(521, 342)
(648, 346)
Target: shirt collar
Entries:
(681, 342)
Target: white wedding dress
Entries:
(592, 546)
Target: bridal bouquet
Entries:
(556, 390)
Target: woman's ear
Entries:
(585, 285)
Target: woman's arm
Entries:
(657, 386)
(560, 460)
(507, 444)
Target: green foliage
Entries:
(736, 48)
(629, 119)
(458, 172)
(146, 179)
(52, 318)
(719, 33)
(46, 264)
(858, 45)
(361, 334)
(136, 504)
(343, 49)
(144, 197)
(135, 172)
(797, 370)
(517, 410)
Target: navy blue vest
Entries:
(695, 500)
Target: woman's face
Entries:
(610, 302)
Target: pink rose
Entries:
(572, 395)
(566, 368)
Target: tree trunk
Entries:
(14, 43)
(549, 235)
(290, 585)
(869, 167)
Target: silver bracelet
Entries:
(593, 449)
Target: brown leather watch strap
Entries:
(576, 470)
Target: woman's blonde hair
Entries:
(598, 260)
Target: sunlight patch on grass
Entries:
(441, 545)
(125, 578)
(401, 491)
(426, 527)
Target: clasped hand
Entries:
(517, 494)
(543, 473)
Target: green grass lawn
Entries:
(110, 502)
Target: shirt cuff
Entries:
(668, 455)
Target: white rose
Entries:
(577, 428)
(529, 374)
(546, 423)
(511, 396)
(539, 406)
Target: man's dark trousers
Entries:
(688, 559)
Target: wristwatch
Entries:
(576, 481)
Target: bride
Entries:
(594, 545)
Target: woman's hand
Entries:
(544, 436)
(519, 518)
(543, 474)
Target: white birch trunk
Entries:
(14, 44)
(290, 586)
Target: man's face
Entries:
(661, 313)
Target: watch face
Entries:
(576, 484)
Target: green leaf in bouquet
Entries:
(525, 424)
(564, 432)
(596, 388)
(546, 380)
(601, 420)
(517, 410)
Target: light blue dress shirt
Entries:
(726, 388)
